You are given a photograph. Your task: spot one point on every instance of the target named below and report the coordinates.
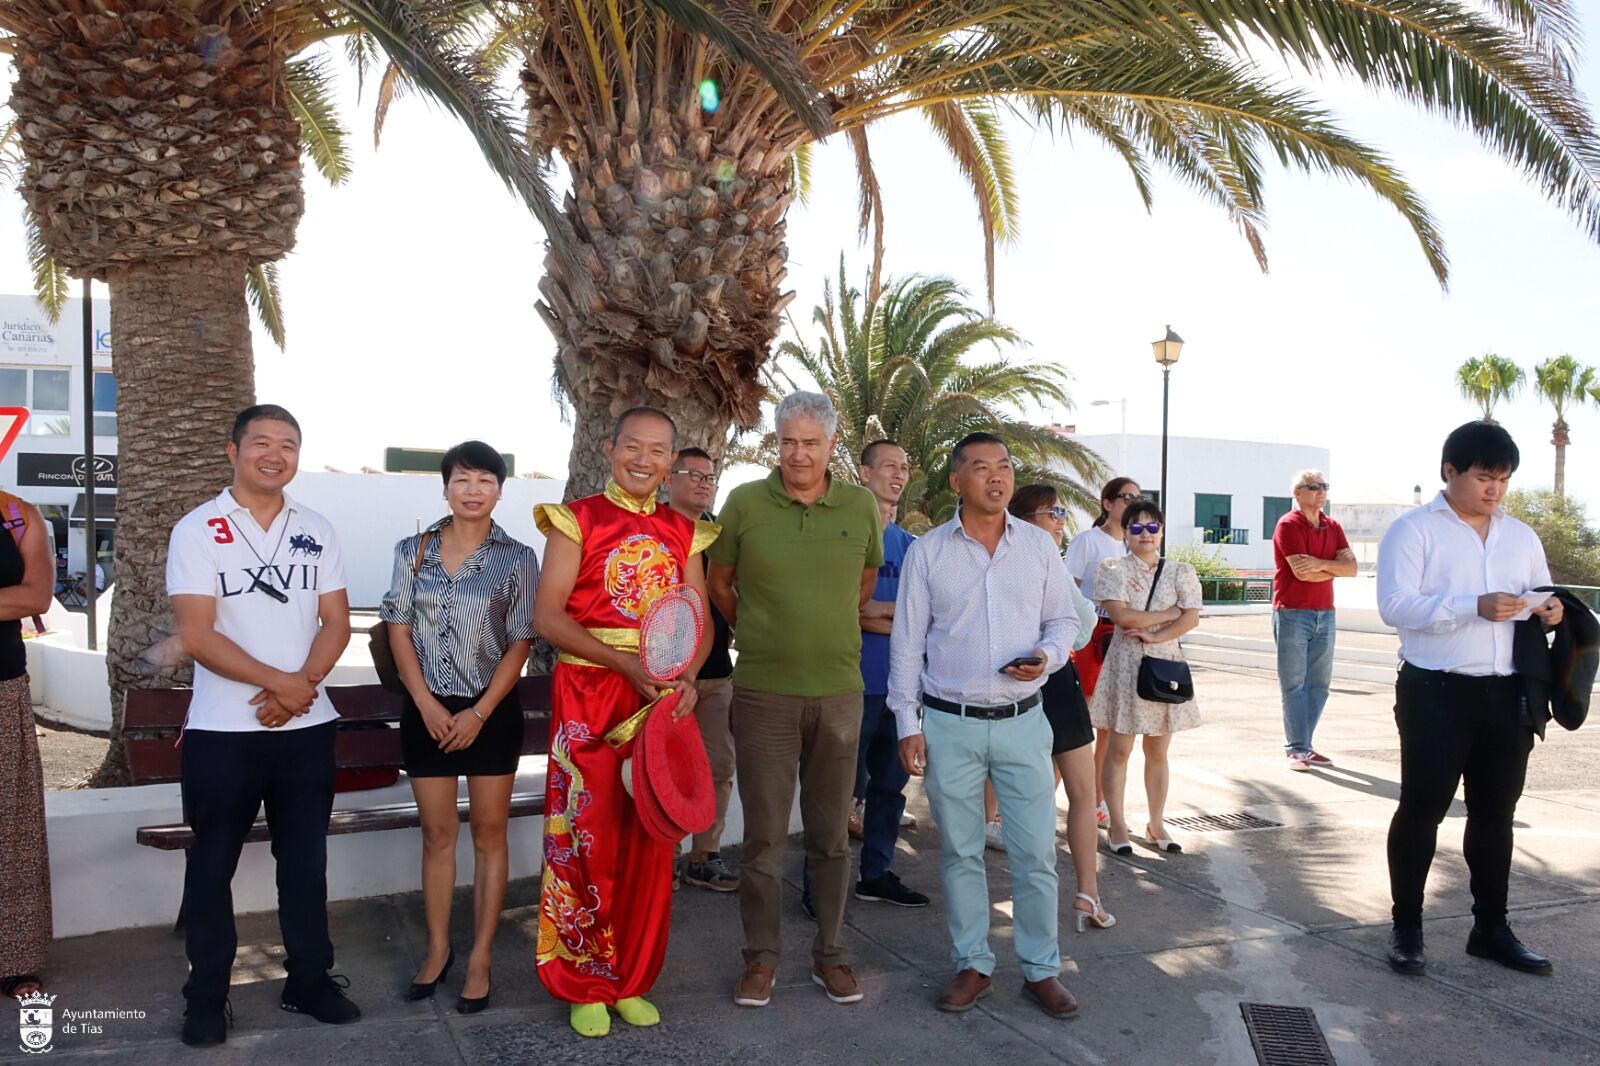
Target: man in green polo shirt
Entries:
(798, 557)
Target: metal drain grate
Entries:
(1223, 823)
(1285, 1036)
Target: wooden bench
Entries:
(367, 739)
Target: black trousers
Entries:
(1454, 727)
(227, 777)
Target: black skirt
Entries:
(1067, 711)
(495, 751)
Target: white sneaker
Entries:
(992, 837)
(908, 820)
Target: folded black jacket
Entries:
(1557, 673)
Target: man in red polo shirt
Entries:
(1309, 550)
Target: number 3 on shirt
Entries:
(224, 534)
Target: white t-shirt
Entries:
(1085, 553)
(218, 550)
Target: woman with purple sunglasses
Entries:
(1148, 624)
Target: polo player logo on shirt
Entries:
(637, 572)
(304, 543)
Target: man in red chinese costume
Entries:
(606, 893)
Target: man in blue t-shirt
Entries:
(884, 471)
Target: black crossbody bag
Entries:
(1163, 680)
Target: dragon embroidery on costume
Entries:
(566, 917)
(637, 572)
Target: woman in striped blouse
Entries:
(460, 615)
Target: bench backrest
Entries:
(367, 737)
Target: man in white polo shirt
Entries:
(1453, 577)
(258, 596)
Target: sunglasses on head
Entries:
(1054, 512)
(1315, 486)
(1136, 528)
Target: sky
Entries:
(410, 294)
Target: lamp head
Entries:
(1167, 348)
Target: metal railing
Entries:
(1223, 590)
(1220, 535)
(1589, 594)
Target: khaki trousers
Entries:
(716, 729)
(778, 738)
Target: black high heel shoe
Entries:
(420, 990)
(471, 1006)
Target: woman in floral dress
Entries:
(1122, 589)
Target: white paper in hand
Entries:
(1535, 600)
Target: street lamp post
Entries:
(1166, 351)
(1122, 440)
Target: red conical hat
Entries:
(677, 773)
(644, 802)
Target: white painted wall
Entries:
(1249, 471)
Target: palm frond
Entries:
(800, 174)
(739, 30)
(261, 285)
(870, 200)
(321, 132)
(389, 87)
(51, 283)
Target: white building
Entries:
(1225, 494)
(41, 369)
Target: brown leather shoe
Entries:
(963, 991)
(838, 982)
(755, 987)
(1052, 997)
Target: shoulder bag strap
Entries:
(422, 549)
(1148, 600)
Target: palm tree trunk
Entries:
(1560, 438)
(677, 303)
(181, 333)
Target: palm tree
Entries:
(902, 365)
(161, 151)
(685, 157)
(1488, 379)
(1563, 380)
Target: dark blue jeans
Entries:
(227, 777)
(885, 792)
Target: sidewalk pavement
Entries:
(1295, 915)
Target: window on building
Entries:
(1213, 513)
(44, 393)
(105, 404)
(1272, 509)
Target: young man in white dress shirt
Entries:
(982, 617)
(258, 595)
(1452, 577)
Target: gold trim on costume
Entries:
(619, 496)
(705, 534)
(626, 730)
(557, 516)
(621, 639)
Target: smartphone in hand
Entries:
(1022, 660)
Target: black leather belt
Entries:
(987, 714)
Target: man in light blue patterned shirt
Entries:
(983, 615)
